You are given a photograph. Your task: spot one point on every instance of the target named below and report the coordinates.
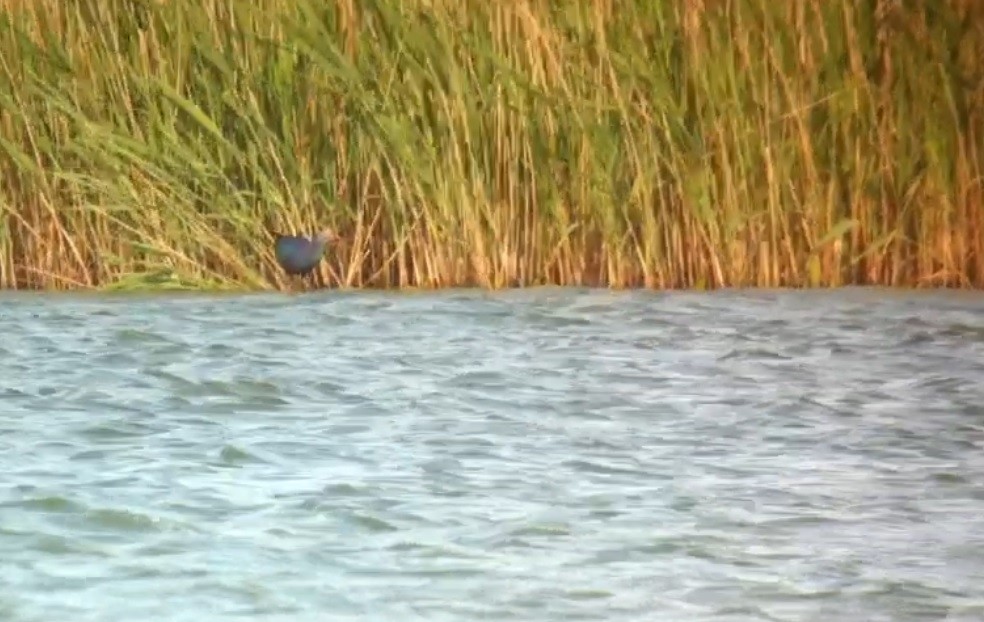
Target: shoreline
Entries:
(469, 289)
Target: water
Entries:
(533, 455)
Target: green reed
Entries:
(700, 143)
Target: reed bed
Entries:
(628, 143)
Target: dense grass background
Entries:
(673, 143)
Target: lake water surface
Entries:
(537, 455)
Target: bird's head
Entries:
(328, 235)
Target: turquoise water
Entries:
(531, 455)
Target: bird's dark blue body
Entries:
(299, 254)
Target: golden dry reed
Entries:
(621, 143)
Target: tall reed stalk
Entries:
(657, 143)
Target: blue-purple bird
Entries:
(298, 254)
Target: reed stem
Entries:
(640, 143)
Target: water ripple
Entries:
(540, 454)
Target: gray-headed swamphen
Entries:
(298, 254)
